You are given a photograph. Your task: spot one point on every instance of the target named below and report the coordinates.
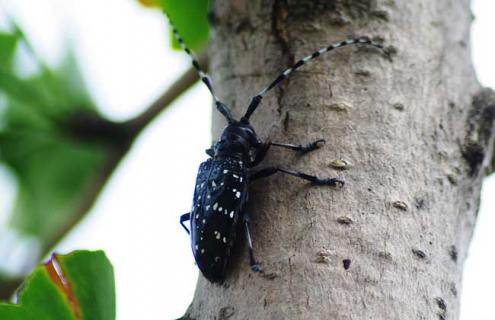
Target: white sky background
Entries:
(127, 62)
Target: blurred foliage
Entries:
(58, 147)
(189, 17)
(53, 170)
(79, 285)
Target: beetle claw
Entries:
(256, 268)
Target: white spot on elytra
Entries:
(224, 240)
(213, 184)
(202, 250)
(207, 207)
(222, 184)
(234, 190)
(232, 214)
(240, 179)
(218, 236)
(196, 247)
(197, 216)
(204, 221)
(225, 211)
(215, 206)
(225, 171)
(220, 209)
(202, 184)
(238, 194)
(235, 176)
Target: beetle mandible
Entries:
(222, 184)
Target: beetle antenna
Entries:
(202, 75)
(256, 100)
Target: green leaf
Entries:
(77, 286)
(191, 20)
(8, 46)
(54, 170)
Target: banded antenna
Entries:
(256, 100)
(202, 75)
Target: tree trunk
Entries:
(415, 132)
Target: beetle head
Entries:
(237, 139)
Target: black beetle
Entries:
(222, 184)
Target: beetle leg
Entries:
(252, 261)
(210, 151)
(266, 172)
(261, 150)
(183, 218)
(300, 147)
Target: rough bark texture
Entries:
(417, 133)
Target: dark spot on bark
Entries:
(442, 306)
(243, 25)
(337, 12)
(398, 106)
(390, 52)
(363, 73)
(346, 263)
(419, 203)
(285, 123)
(473, 154)
(418, 253)
(453, 289)
(453, 253)
(430, 242)
(280, 14)
(401, 205)
(452, 179)
(344, 220)
(480, 125)
(212, 16)
(269, 275)
(381, 14)
(322, 259)
(385, 255)
(340, 106)
(226, 313)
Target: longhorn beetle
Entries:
(222, 184)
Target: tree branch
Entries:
(180, 86)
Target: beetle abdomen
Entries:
(219, 197)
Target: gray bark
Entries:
(416, 132)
